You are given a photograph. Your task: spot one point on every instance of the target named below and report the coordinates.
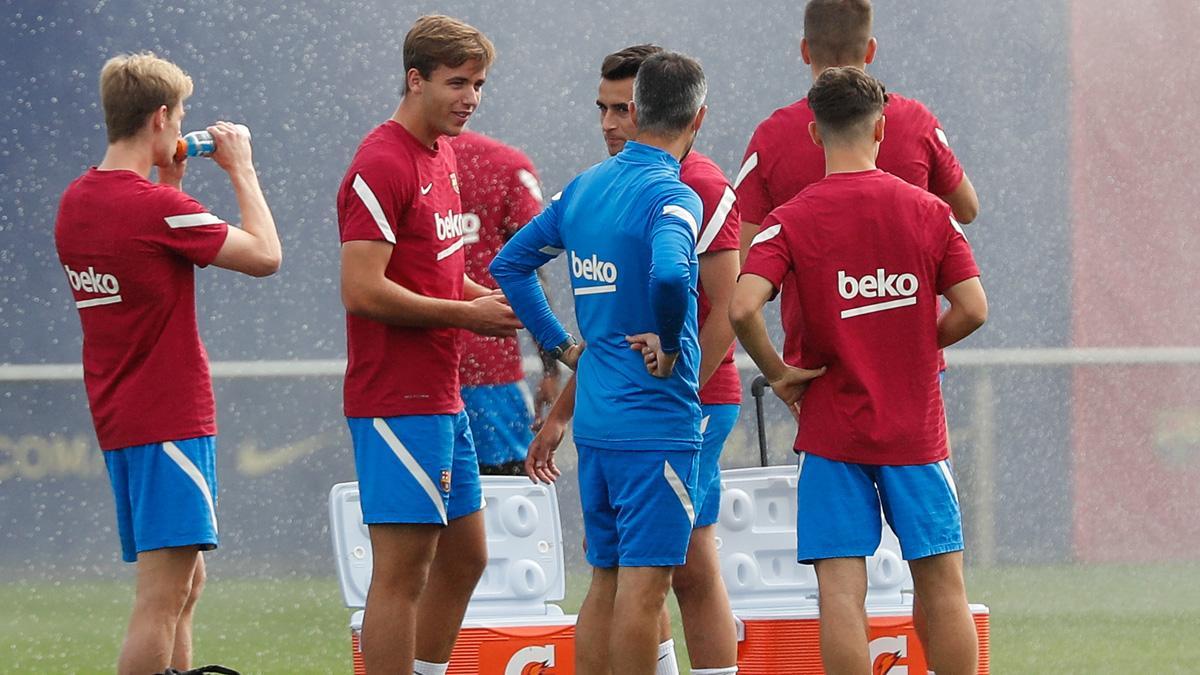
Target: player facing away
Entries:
(780, 162)
(129, 247)
(703, 602)
(628, 227)
(500, 193)
(868, 254)
(406, 299)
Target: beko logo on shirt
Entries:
(449, 227)
(594, 269)
(877, 285)
(470, 225)
(91, 281)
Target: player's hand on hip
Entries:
(491, 315)
(539, 463)
(792, 383)
(232, 146)
(570, 358)
(658, 363)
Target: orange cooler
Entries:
(511, 626)
(774, 598)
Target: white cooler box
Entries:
(511, 627)
(774, 598)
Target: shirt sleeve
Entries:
(522, 199)
(945, 173)
(721, 225)
(371, 205)
(769, 257)
(672, 246)
(188, 229)
(958, 262)
(754, 200)
(514, 269)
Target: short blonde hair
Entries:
(438, 40)
(132, 86)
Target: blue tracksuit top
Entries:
(628, 228)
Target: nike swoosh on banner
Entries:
(254, 462)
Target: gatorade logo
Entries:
(449, 227)
(91, 281)
(596, 270)
(878, 285)
(886, 654)
(531, 661)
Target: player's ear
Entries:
(413, 79)
(872, 47)
(633, 113)
(815, 134)
(804, 52)
(699, 121)
(159, 118)
(879, 127)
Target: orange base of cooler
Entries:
(504, 650)
(792, 645)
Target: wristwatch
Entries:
(561, 349)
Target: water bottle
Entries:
(200, 143)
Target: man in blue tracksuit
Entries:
(628, 228)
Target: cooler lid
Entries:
(525, 567)
(756, 545)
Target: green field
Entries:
(1102, 619)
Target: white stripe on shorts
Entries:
(944, 465)
(410, 463)
(680, 491)
(192, 472)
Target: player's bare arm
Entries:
(749, 232)
(968, 311)
(254, 249)
(745, 313)
(368, 293)
(718, 275)
(963, 201)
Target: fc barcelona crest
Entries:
(446, 473)
(454, 182)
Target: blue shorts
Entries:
(838, 506)
(637, 506)
(501, 416)
(166, 495)
(415, 468)
(716, 424)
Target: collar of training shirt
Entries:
(647, 154)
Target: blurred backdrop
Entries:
(1075, 412)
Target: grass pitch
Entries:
(1060, 619)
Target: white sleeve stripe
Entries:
(747, 167)
(368, 199)
(682, 214)
(531, 183)
(192, 220)
(552, 251)
(767, 234)
(717, 221)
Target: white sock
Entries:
(667, 665)
(730, 670)
(426, 668)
